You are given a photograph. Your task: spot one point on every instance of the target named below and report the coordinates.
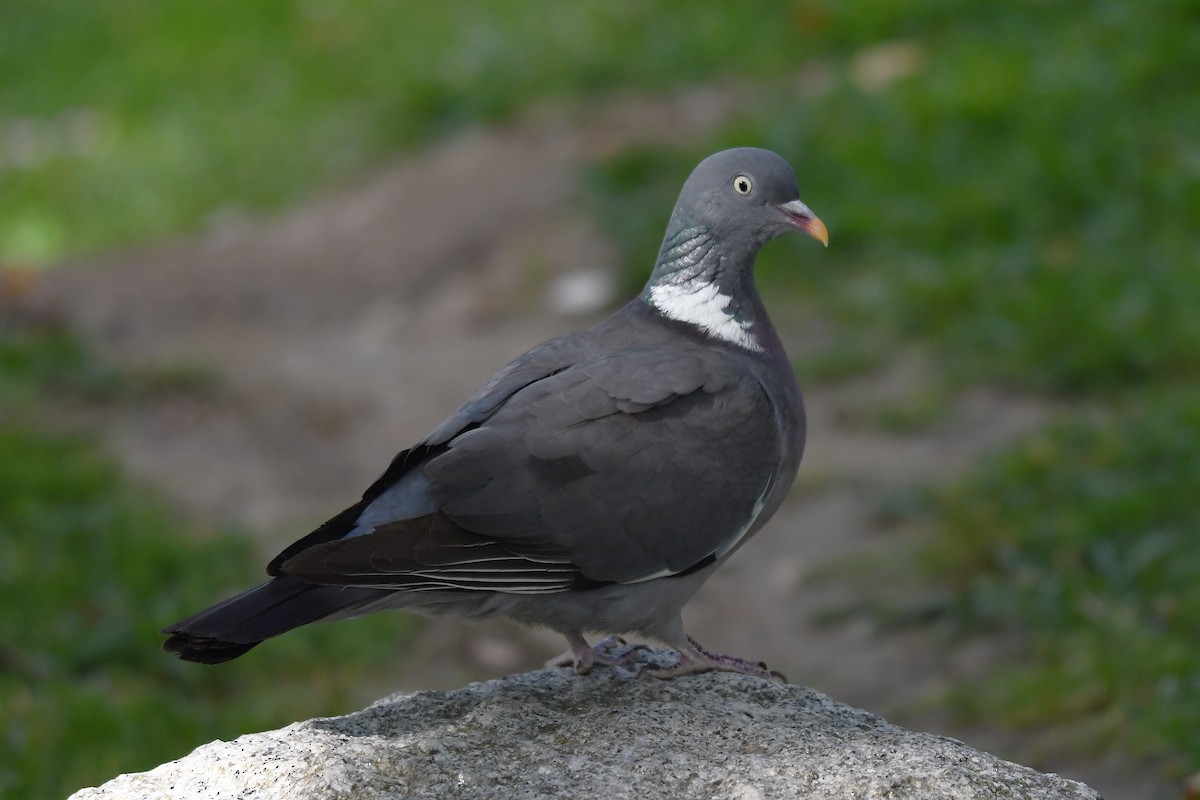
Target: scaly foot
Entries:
(695, 659)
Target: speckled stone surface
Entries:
(609, 734)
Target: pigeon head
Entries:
(746, 196)
(734, 202)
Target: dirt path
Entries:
(344, 330)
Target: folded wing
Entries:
(636, 465)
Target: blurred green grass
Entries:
(1014, 187)
(1085, 540)
(135, 120)
(91, 567)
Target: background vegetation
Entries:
(1015, 187)
(86, 561)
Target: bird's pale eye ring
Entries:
(743, 185)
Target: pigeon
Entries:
(594, 483)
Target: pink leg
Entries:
(694, 659)
(610, 652)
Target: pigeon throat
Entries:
(687, 286)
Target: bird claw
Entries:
(694, 659)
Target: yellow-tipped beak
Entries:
(803, 218)
(816, 229)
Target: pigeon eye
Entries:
(742, 185)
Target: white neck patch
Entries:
(703, 305)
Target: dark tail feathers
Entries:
(230, 628)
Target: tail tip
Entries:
(204, 649)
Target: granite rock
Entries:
(609, 734)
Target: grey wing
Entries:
(625, 468)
